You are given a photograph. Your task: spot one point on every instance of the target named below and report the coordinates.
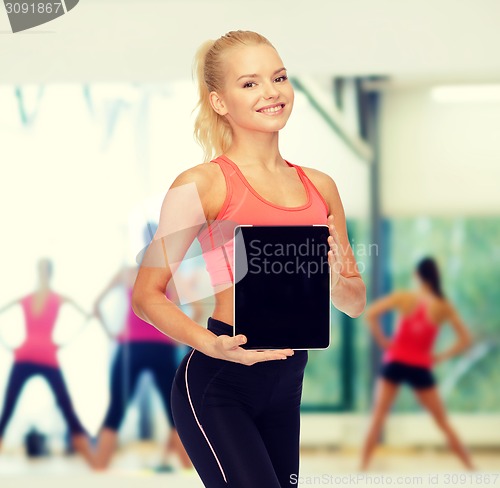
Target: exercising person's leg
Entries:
(430, 399)
(19, 373)
(56, 381)
(385, 393)
(124, 375)
(79, 435)
(163, 364)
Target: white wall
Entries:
(144, 40)
(310, 142)
(439, 158)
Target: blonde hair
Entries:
(211, 130)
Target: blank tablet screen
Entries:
(282, 286)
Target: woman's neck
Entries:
(426, 292)
(257, 150)
(43, 288)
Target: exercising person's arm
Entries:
(3, 309)
(87, 315)
(10, 304)
(464, 340)
(180, 221)
(72, 302)
(117, 279)
(377, 308)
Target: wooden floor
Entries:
(134, 467)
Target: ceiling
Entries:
(411, 41)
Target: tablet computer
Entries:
(281, 292)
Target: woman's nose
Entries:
(270, 90)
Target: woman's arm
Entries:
(10, 304)
(377, 308)
(348, 290)
(85, 323)
(188, 286)
(72, 302)
(6, 307)
(185, 210)
(464, 340)
(117, 279)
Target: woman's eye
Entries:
(249, 83)
(284, 77)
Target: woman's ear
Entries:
(217, 103)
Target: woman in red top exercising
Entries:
(408, 354)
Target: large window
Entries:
(85, 166)
(468, 252)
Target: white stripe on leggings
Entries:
(196, 418)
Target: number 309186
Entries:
(40, 8)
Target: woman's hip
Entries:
(208, 375)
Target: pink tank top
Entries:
(243, 205)
(138, 330)
(38, 346)
(414, 339)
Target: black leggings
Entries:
(240, 424)
(19, 374)
(132, 358)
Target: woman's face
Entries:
(245, 98)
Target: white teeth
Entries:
(273, 109)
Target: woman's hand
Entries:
(334, 254)
(96, 312)
(385, 343)
(437, 358)
(228, 348)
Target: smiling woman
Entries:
(232, 88)
(237, 411)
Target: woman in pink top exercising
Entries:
(237, 411)
(409, 355)
(37, 355)
(141, 348)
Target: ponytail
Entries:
(428, 271)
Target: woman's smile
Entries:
(273, 110)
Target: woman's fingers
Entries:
(252, 357)
(233, 351)
(334, 256)
(332, 253)
(231, 343)
(333, 239)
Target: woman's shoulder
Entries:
(210, 185)
(414, 296)
(317, 176)
(406, 298)
(203, 175)
(440, 305)
(326, 185)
